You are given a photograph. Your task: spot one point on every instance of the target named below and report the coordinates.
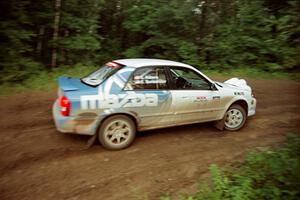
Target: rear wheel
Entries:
(235, 118)
(117, 132)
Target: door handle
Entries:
(185, 97)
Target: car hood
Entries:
(236, 83)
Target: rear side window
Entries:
(101, 74)
(148, 78)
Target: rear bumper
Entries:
(72, 124)
(59, 120)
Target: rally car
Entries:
(129, 95)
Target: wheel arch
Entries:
(242, 103)
(132, 116)
(219, 124)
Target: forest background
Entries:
(39, 37)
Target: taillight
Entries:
(65, 106)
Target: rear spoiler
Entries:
(65, 84)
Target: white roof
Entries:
(141, 62)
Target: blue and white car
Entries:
(129, 95)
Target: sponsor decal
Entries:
(118, 101)
(201, 98)
(108, 94)
(238, 93)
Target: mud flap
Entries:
(91, 141)
(219, 124)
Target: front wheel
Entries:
(117, 132)
(235, 118)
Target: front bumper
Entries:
(252, 107)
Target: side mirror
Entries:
(213, 87)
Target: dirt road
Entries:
(37, 162)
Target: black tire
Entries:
(234, 118)
(117, 132)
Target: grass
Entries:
(270, 174)
(45, 81)
(253, 73)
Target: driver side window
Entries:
(148, 78)
(187, 79)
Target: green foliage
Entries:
(45, 80)
(253, 37)
(220, 35)
(188, 52)
(78, 31)
(19, 70)
(255, 73)
(15, 38)
(274, 174)
(134, 52)
(165, 27)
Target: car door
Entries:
(151, 84)
(194, 99)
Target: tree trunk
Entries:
(202, 25)
(55, 32)
(39, 45)
(63, 52)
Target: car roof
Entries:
(141, 62)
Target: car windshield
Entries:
(101, 74)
